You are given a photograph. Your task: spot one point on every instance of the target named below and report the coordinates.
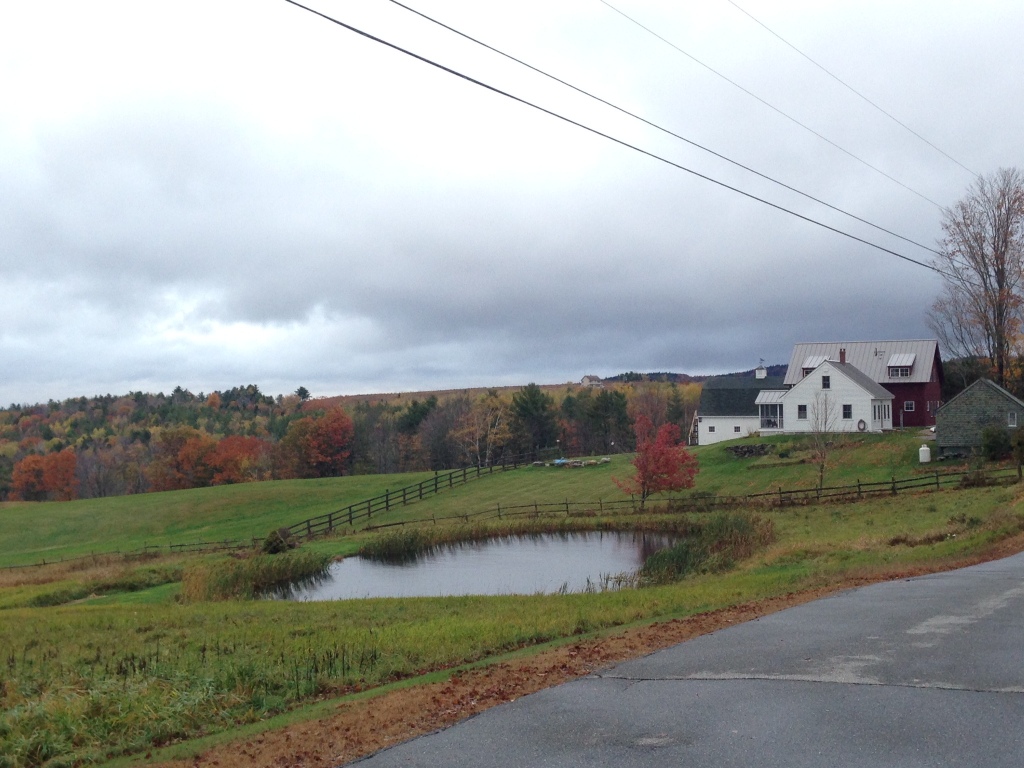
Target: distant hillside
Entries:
(686, 378)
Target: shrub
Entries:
(279, 541)
(995, 443)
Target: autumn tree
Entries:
(981, 260)
(483, 430)
(181, 460)
(662, 462)
(240, 459)
(50, 477)
(316, 447)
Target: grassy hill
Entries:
(32, 532)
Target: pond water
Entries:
(518, 565)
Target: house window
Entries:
(711, 429)
(801, 411)
(908, 406)
(735, 429)
(847, 411)
(899, 371)
(1011, 419)
(826, 382)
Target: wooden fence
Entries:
(364, 510)
(698, 503)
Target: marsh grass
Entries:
(246, 578)
(406, 544)
(715, 544)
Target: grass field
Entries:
(33, 532)
(133, 669)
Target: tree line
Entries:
(115, 445)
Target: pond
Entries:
(520, 565)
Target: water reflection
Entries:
(545, 563)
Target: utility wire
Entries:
(852, 89)
(662, 129)
(769, 104)
(620, 142)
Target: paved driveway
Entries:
(920, 672)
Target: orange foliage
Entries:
(238, 459)
(38, 478)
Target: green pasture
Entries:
(109, 662)
(93, 680)
(33, 532)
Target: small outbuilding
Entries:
(960, 422)
(728, 407)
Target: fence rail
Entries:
(347, 516)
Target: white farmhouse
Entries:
(834, 397)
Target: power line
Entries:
(603, 135)
(852, 89)
(770, 105)
(662, 129)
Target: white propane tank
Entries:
(924, 454)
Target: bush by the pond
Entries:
(720, 541)
(250, 577)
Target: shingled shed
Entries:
(727, 407)
(960, 422)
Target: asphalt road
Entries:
(920, 672)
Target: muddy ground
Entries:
(360, 728)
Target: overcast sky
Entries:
(216, 193)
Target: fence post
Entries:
(330, 522)
(350, 514)
(499, 510)
(403, 497)
(435, 482)
(421, 490)
(936, 480)
(859, 495)
(894, 486)
(309, 529)
(387, 499)
(567, 507)
(369, 508)
(780, 496)
(464, 474)
(600, 505)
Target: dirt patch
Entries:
(357, 729)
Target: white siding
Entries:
(842, 391)
(725, 428)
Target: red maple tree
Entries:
(662, 462)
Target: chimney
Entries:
(842, 355)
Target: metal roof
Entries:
(872, 358)
(903, 359)
(768, 396)
(813, 361)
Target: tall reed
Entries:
(250, 577)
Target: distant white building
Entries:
(592, 381)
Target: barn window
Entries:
(847, 411)
(801, 411)
(908, 406)
(826, 382)
(1011, 419)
